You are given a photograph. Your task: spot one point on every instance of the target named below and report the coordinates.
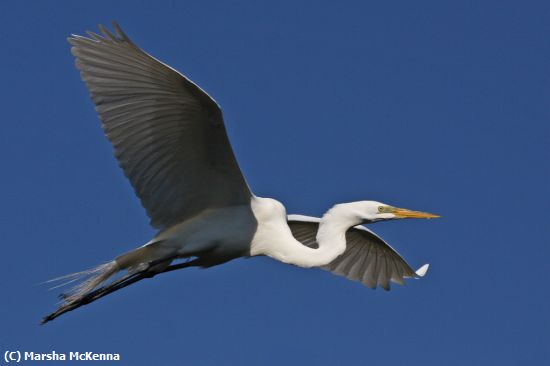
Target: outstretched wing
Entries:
(168, 134)
(367, 259)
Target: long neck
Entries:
(275, 239)
(331, 235)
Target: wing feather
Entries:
(168, 134)
(367, 258)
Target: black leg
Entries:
(115, 286)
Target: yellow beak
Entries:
(403, 213)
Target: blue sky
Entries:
(436, 106)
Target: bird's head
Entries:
(373, 211)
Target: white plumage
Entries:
(170, 140)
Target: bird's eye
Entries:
(380, 208)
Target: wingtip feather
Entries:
(120, 32)
(421, 272)
(107, 33)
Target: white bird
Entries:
(170, 140)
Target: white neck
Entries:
(274, 238)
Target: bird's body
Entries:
(214, 236)
(170, 140)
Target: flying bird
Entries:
(170, 140)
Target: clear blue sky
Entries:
(437, 106)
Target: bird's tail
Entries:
(86, 280)
(134, 261)
(144, 262)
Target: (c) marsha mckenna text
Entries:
(70, 356)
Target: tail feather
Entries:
(134, 261)
(89, 280)
(67, 279)
(140, 263)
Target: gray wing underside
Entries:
(367, 258)
(168, 134)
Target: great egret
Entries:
(170, 140)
